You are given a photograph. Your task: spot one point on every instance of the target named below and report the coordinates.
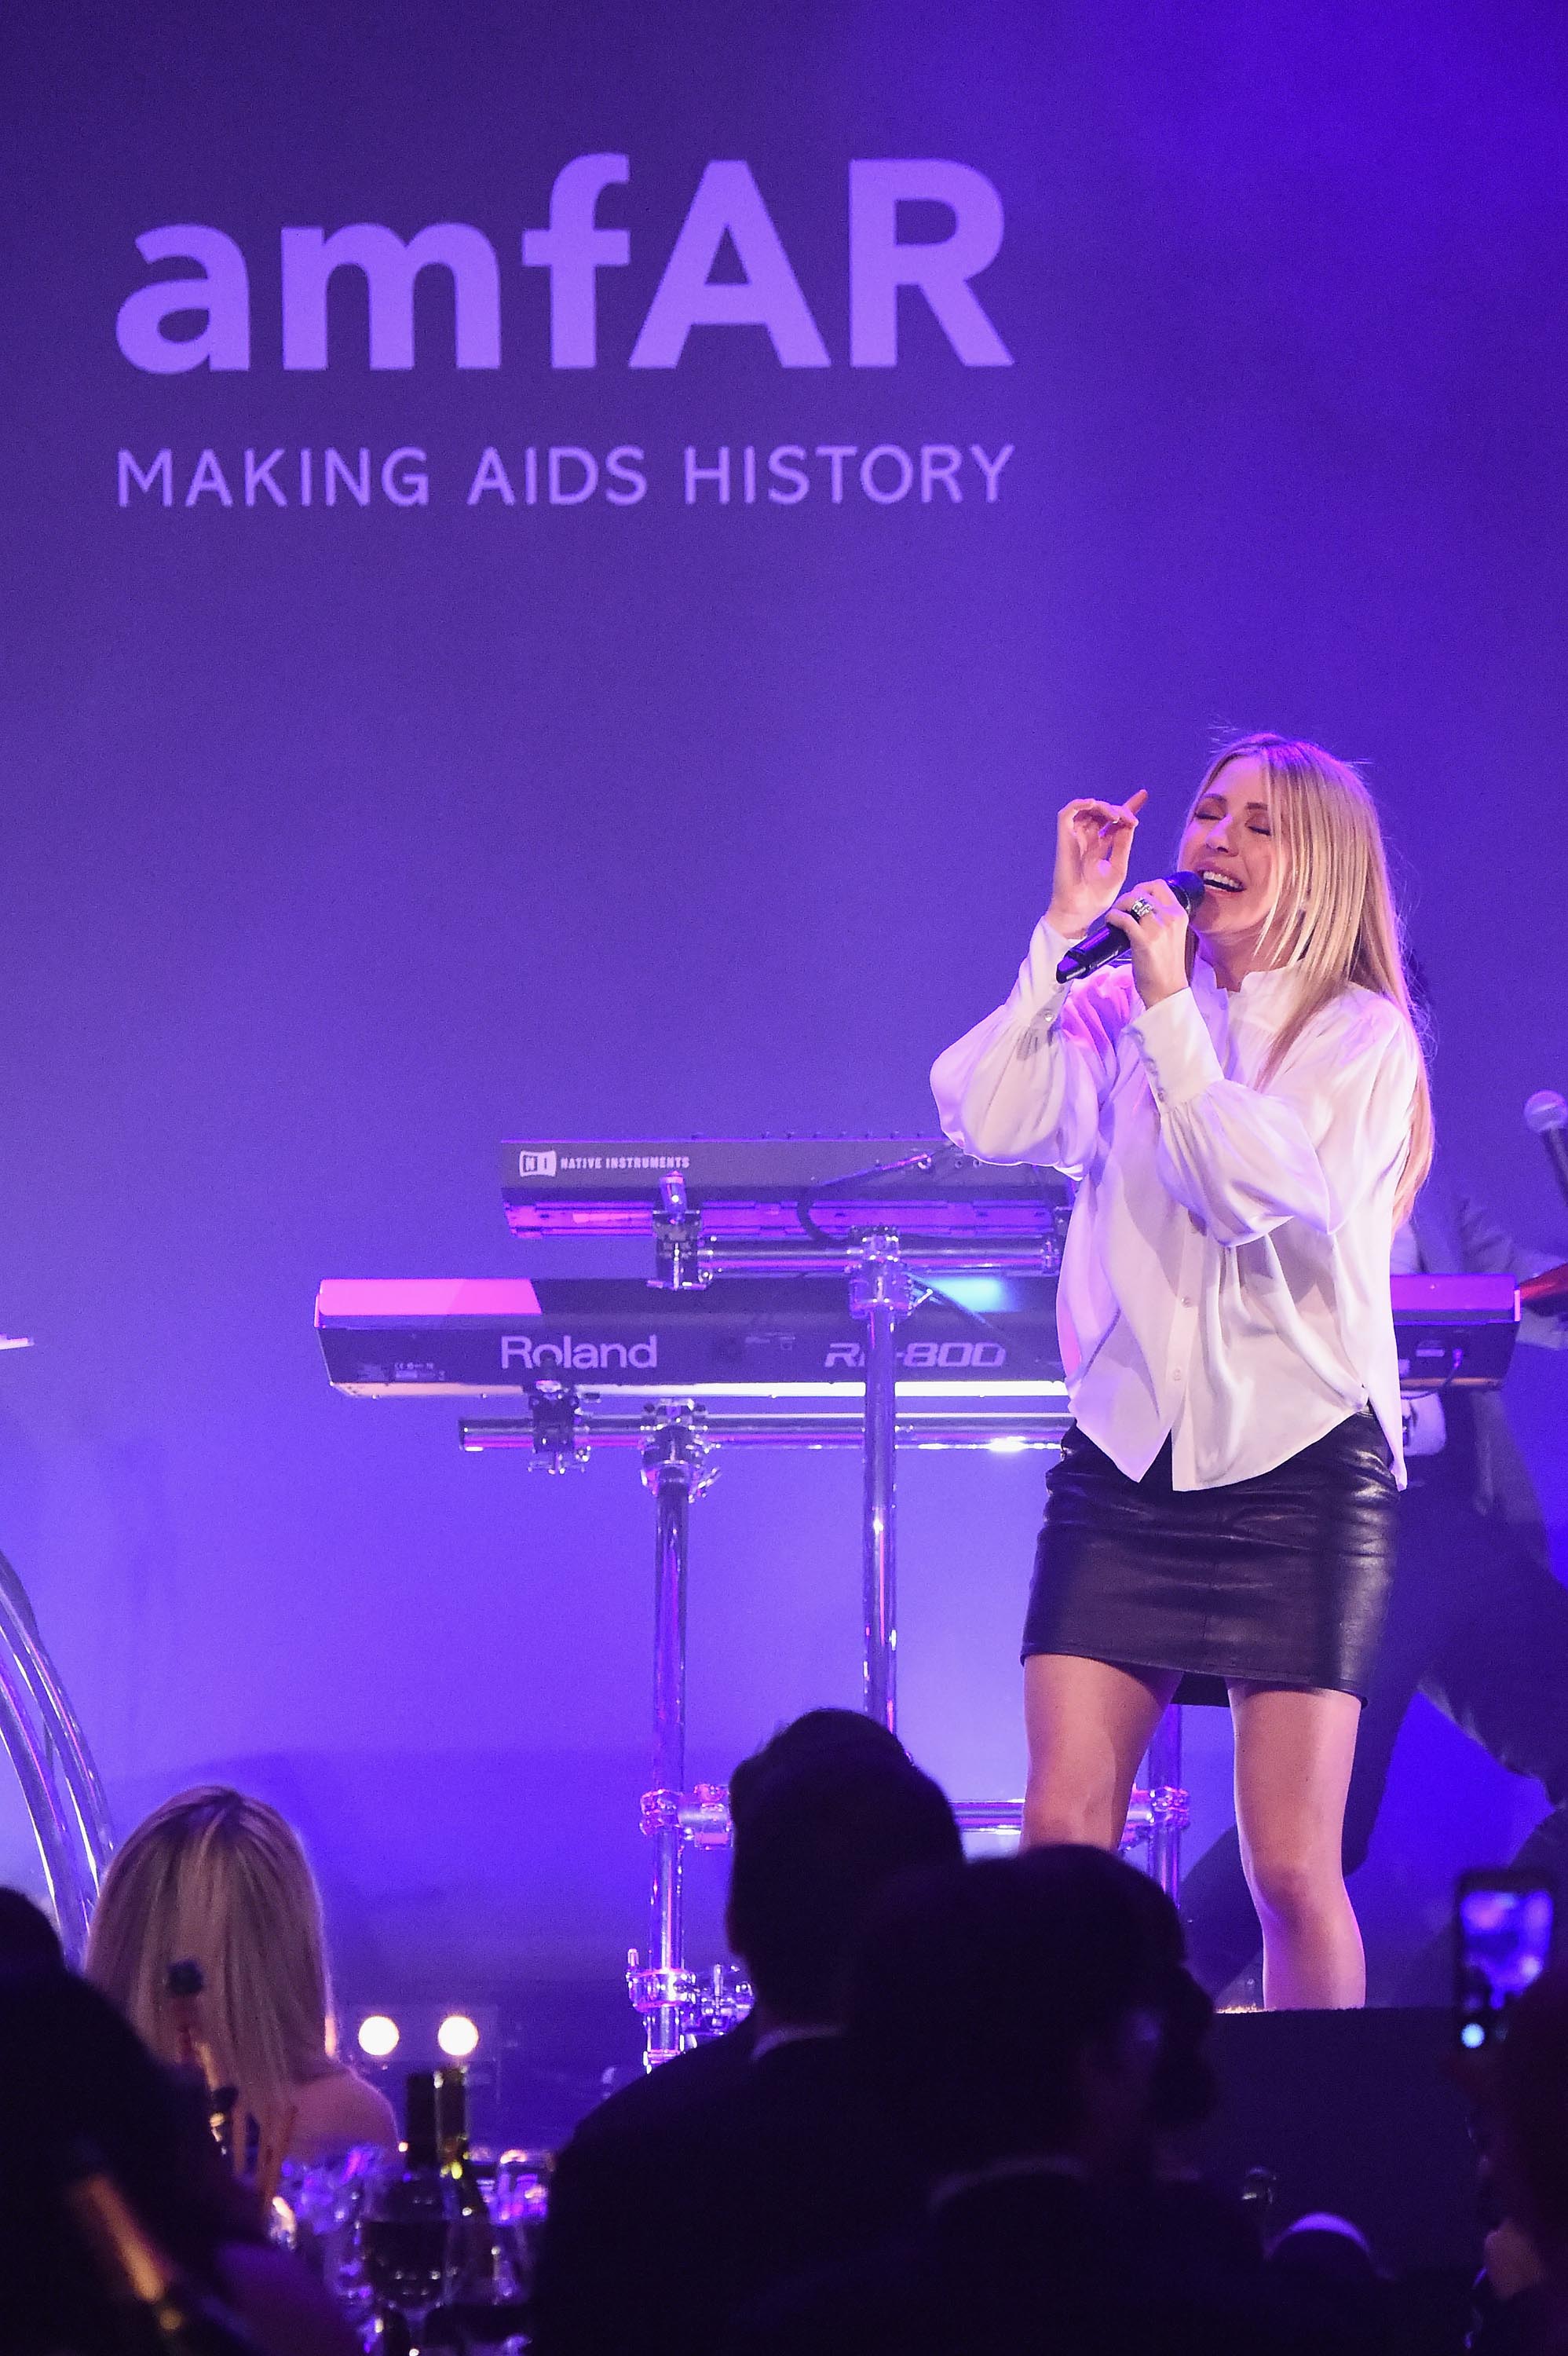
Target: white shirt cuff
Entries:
(1177, 1049)
(1039, 992)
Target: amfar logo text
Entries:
(728, 216)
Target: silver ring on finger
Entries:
(1138, 909)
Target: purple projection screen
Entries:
(560, 561)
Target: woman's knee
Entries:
(1294, 1886)
(1080, 1817)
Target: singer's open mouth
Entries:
(1214, 882)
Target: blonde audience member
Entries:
(222, 1880)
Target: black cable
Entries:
(927, 1159)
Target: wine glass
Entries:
(518, 2204)
(409, 2235)
(325, 2196)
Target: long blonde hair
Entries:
(1333, 919)
(220, 1878)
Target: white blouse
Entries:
(1225, 1279)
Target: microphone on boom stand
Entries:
(1547, 1114)
(1108, 941)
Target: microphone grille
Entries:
(1545, 1111)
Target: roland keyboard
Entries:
(746, 1338)
(787, 1338)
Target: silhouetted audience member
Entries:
(1324, 2266)
(78, 2083)
(1526, 2313)
(1027, 2028)
(222, 1881)
(694, 2076)
(28, 1939)
(662, 2226)
(1324, 2244)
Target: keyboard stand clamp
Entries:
(702, 1816)
(708, 2003)
(552, 1409)
(680, 1259)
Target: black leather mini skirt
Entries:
(1281, 1580)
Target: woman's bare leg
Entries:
(1294, 1755)
(1088, 1725)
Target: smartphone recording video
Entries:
(1503, 1926)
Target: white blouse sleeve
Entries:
(1026, 1085)
(1332, 1124)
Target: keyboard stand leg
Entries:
(673, 1468)
(881, 1293)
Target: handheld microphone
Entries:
(1546, 1113)
(1548, 1291)
(1106, 942)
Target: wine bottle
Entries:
(409, 2225)
(452, 2131)
(168, 2313)
(422, 2125)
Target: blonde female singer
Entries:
(1245, 1107)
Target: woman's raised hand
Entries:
(1157, 937)
(1094, 843)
